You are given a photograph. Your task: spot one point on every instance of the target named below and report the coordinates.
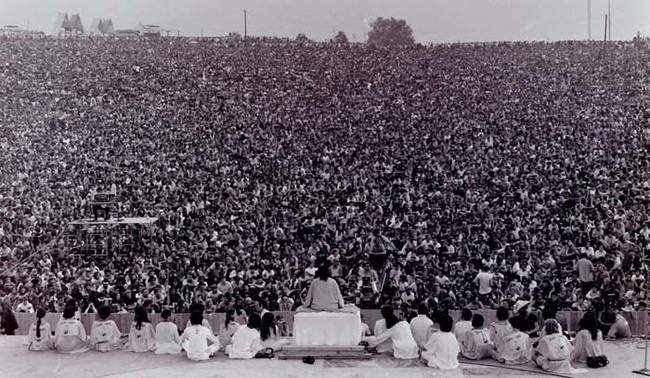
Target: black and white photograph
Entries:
(324, 188)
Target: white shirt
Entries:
(442, 351)
(197, 337)
(204, 323)
(104, 335)
(25, 307)
(420, 328)
(167, 338)
(461, 328)
(246, 342)
(404, 345)
(380, 327)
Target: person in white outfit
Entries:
(195, 339)
(247, 342)
(477, 344)
(399, 333)
(380, 327)
(553, 350)
(142, 336)
(270, 334)
(201, 308)
(70, 335)
(104, 334)
(441, 350)
(40, 335)
(465, 324)
(167, 339)
(421, 325)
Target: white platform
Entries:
(327, 329)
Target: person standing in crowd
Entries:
(167, 339)
(40, 334)
(476, 343)
(420, 325)
(70, 335)
(105, 336)
(585, 273)
(195, 339)
(484, 281)
(399, 333)
(142, 336)
(442, 349)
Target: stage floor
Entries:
(16, 361)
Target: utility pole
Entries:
(589, 19)
(245, 25)
(609, 17)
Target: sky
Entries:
(432, 20)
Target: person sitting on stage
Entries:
(142, 337)
(399, 333)
(270, 334)
(554, 349)
(420, 325)
(514, 348)
(324, 295)
(104, 334)
(247, 342)
(40, 335)
(167, 339)
(476, 344)
(500, 328)
(615, 325)
(588, 344)
(70, 335)
(441, 350)
(195, 339)
(228, 328)
(465, 324)
(201, 308)
(380, 327)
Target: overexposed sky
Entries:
(432, 20)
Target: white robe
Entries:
(70, 337)
(44, 342)
(246, 342)
(167, 339)
(514, 349)
(105, 336)
(420, 328)
(205, 323)
(386, 346)
(477, 344)
(442, 351)
(499, 330)
(195, 343)
(553, 353)
(143, 339)
(404, 345)
(460, 330)
(584, 346)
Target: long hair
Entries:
(388, 314)
(323, 273)
(551, 326)
(254, 321)
(40, 314)
(230, 317)
(268, 325)
(590, 323)
(140, 317)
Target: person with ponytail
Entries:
(40, 333)
(104, 334)
(228, 328)
(142, 336)
(588, 345)
(70, 335)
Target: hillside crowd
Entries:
(462, 175)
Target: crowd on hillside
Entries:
(458, 175)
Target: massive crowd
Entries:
(463, 175)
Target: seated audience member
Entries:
(228, 328)
(380, 327)
(514, 348)
(501, 327)
(399, 333)
(269, 333)
(588, 343)
(247, 342)
(167, 339)
(465, 324)
(476, 343)
(420, 325)
(441, 350)
(40, 334)
(199, 307)
(195, 339)
(365, 329)
(104, 334)
(70, 335)
(142, 336)
(553, 351)
(324, 295)
(615, 325)
(529, 322)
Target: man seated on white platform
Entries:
(325, 295)
(195, 339)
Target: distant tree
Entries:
(341, 38)
(301, 38)
(390, 32)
